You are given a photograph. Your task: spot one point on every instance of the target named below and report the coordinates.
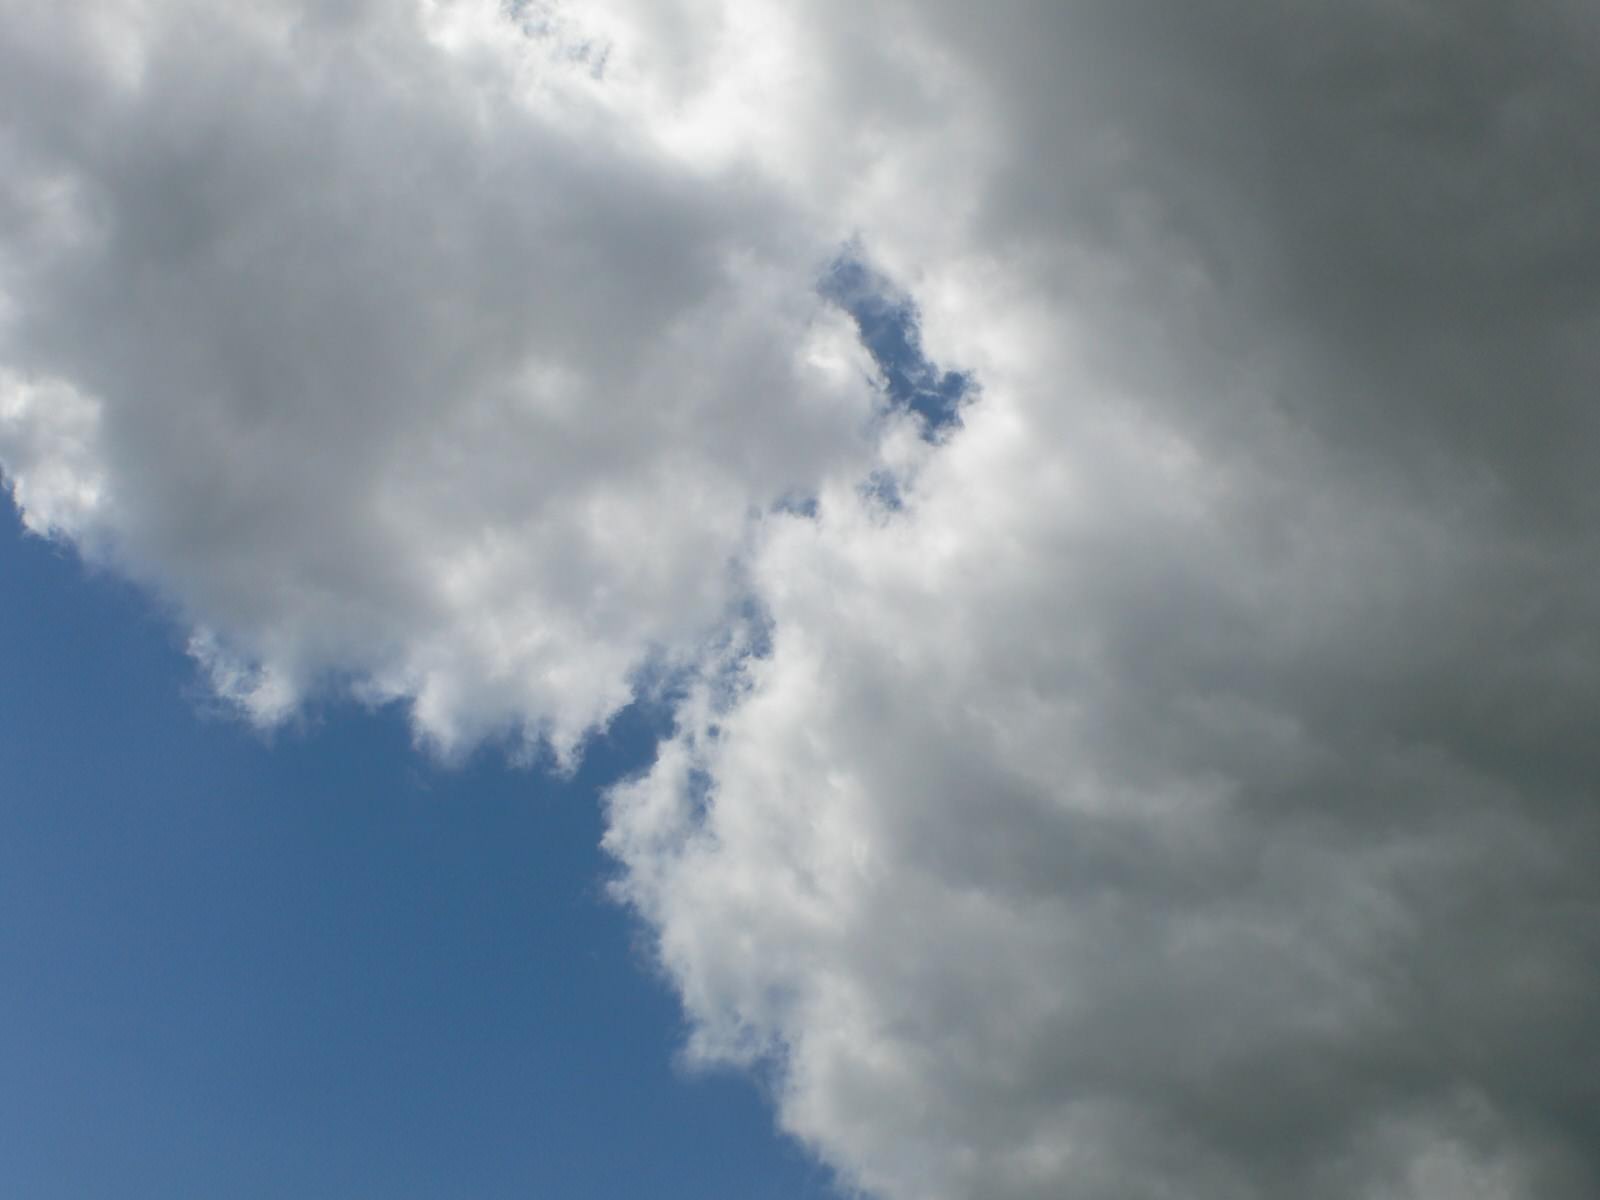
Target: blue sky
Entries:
(314, 964)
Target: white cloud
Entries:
(1184, 793)
(48, 437)
(399, 351)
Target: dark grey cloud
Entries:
(1391, 197)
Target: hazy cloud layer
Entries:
(1183, 788)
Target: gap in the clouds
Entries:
(797, 504)
(890, 327)
(542, 21)
(883, 489)
(318, 964)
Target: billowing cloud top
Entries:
(1117, 477)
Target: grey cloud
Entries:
(1191, 792)
(1391, 196)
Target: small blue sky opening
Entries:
(890, 327)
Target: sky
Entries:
(873, 599)
(316, 964)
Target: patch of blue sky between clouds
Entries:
(797, 503)
(883, 489)
(889, 325)
(544, 21)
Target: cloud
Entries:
(401, 355)
(1186, 791)
(1072, 841)
(1170, 777)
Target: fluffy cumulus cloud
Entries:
(1138, 604)
(397, 350)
